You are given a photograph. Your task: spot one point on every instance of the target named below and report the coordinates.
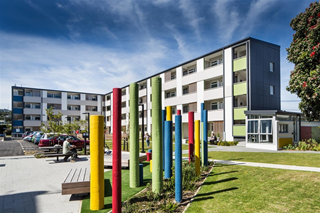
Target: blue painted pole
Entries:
(205, 137)
(178, 159)
(168, 149)
(163, 145)
(202, 109)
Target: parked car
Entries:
(49, 140)
(34, 136)
(37, 138)
(28, 137)
(26, 134)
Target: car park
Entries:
(51, 140)
(37, 138)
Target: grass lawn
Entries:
(126, 190)
(231, 188)
(297, 159)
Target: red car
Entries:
(48, 140)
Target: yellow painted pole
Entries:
(169, 113)
(150, 165)
(96, 162)
(197, 146)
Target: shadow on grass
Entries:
(220, 181)
(222, 173)
(216, 192)
(203, 198)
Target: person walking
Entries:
(147, 137)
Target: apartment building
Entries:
(29, 107)
(239, 77)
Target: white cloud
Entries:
(189, 11)
(228, 19)
(182, 44)
(41, 63)
(253, 17)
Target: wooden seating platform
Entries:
(54, 155)
(77, 181)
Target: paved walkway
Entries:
(269, 165)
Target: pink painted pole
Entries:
(191, 135)
(116, 158)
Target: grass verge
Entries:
(127, 192)
(297, 159)
(231, 188)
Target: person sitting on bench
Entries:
(213, 139)
(69, 150)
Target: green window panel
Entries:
(240, 89)
(238, 113)
(240, 64)
(239, 130)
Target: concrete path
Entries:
(269, 165)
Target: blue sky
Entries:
(95, 45)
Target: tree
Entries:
(54, 124)
(304, 53)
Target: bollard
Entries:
(157, 174)
(134, 136)
(96, 163)
(141, 173)
(116, 155)
(178, 159)
(149, 156)
(197, 146)
(150, 165)
(191, 135)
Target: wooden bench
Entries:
(54, 155)
(77, 181)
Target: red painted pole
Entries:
(178, 112)
(191, 136)
(116, 158)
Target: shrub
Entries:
(309, 144)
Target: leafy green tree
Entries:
(54, 124)
(304, 53)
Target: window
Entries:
(252, 126)
(265, 126)
(185, 109)
(214, 105)
(214, 84)
(174, 110)
(173, 76)
(108, 108)
(185, 90)
(271, 90)
(271, 67)
(213, 63)
(185, 72)
(283, 128)
(108, 97)
(192, 70)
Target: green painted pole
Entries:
(157, 158)
(134, 136)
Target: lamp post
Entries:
(142, 129)
(85, 142)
